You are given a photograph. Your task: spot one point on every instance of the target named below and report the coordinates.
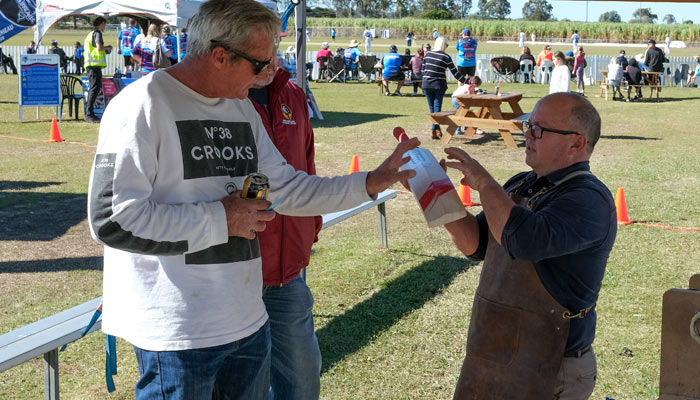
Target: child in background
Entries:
(615, 77)
(470, 88)
(579, 65)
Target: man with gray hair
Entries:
(545, 238)
(182, 268)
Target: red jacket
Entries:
(285, 245)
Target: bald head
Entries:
(577, 113)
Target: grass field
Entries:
(391, 323)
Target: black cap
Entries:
(622, 52)
(393, 48)
(53, 42)
(651, 41)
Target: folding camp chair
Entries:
(323, 68)
(505, 68)
(336, 69)
(367, 67)
(525, 71)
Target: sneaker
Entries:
(387, 93)
(92, 119)
(628, 99)
(636, 99)
(396, 93)
(414, 94)
(459, 131)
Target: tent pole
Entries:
(300, 25)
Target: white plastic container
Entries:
(432, 188)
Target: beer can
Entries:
(255, 186)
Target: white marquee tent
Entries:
(174, 12)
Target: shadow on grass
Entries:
(336, 119)
(628, 137)
(488, 138)
(24, 185)
(54, 265)
(349, 332)
(39, 216)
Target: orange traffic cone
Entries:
(354, 165)
(55, 135)
(465, 194)
(621, 206)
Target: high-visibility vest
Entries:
(93, 57)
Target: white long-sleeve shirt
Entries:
(561, 79)
(166, 156)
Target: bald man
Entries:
(545, 237)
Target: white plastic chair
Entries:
(525, 71)
(483, 69)
(546, 71)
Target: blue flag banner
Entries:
(16, 16)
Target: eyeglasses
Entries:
(258, 66)
(538, 131)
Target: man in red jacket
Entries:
(285, 245)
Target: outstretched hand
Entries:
(473, 173)
(246, 217)
(388, 172)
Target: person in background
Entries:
(654, 57)
(579, 69)
(466, 53)
(285, 244)
(693, 74)
(183, 43)
(143, 52)
(7, 62)
(667, 49)
(352, 55)
(170, 43)
(391, 63)
(95, 60)
(63, 60)
(521, 39)
(416, 64)
(470, 88)
(435, 33)
(31, 48)
(533, 37)
(526, 55)
(561, 75)
(409, 39)
(324, 52)
(78, 58)
(426, 47)
(434, 84)
(622, 60)
(615, 78)
(182, 259)
(367, 35)
(545, 238)
(545, 54)
(633, 76)
(333, 32)
(575, 38)
(125, 43)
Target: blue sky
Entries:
(576, 10)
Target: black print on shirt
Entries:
(217, 148)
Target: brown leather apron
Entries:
(517, 332)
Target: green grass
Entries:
(391, 323)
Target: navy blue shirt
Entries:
(568, 235)
(435, 63)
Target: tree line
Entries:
(533, 10)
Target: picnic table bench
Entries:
(652, 79)
(487, 115)
(46, 336)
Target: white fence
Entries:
(114, 60)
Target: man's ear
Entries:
(219, 57)
(579, 144)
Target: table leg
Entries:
(472, 130)
(505, 134)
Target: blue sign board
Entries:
(39, 80)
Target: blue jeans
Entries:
(434, 97)
(237, 370)
(296, 358)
